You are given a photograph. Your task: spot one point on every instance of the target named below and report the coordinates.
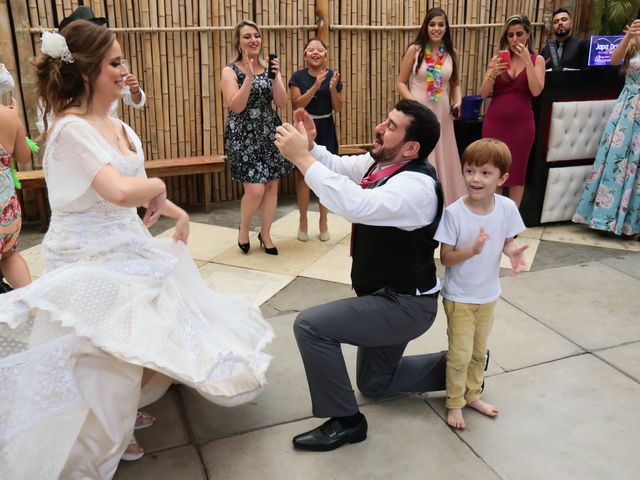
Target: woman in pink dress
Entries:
(429, 74)
(510, 117)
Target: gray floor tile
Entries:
(179, 463)
(268, 311)
(571, 419)
(518, 341)
(628, 263)
(308, 292)
(558, 254)
(624, 357)
(406, 441)
(592, 304)
(170, 430)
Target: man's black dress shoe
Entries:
(4, 287)
(331, 435)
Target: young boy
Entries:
(474, 231)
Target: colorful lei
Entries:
(33, 146)
(434, 72)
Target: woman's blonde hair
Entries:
(59, 83)
(236, 35)
(518, 19)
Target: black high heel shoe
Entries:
(244, 246)
(270, 251)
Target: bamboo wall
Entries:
(177, 48)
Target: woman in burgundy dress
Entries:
(509, 117)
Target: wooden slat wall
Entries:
(180, 70)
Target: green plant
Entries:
(616, 14)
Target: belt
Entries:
(432, 295)
(318, 117)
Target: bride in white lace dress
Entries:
(73, 344)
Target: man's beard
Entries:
(386, 155)
(562, 36)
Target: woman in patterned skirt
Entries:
(12, 144)
(611, 199)
(249, 135)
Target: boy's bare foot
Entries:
(455, 419)
(484, 408)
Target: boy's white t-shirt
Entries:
(476, 280)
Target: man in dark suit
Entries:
(394, 200)
(572, 52)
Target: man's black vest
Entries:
(394, 258)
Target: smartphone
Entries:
(505, 57)
(454, 112)
(271, 73)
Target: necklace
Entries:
(108, 125)
(434, 72)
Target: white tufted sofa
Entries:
(574, 134)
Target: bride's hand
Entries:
(182, 228)
(154, 207)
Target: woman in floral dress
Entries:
(611, 199)
(12, 143)
(249, 135)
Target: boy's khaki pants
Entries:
(468, 331)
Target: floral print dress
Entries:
(10, 214)
(249, 135)
(611, 199)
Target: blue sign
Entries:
(601, 48)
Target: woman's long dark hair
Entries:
(423, 38)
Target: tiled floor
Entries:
(564, 370)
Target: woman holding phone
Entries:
(513, 77)
(610, 202)
(249, 135)
(429, 74)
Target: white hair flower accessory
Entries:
(55, 45)
(6, 80)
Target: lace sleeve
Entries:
(73, 157)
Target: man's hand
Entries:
(300, 115)
(293, 144)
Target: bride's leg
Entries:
(147, 374)
(111, 389)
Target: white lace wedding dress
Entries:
(113, 300)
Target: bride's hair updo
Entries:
(60, 80)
